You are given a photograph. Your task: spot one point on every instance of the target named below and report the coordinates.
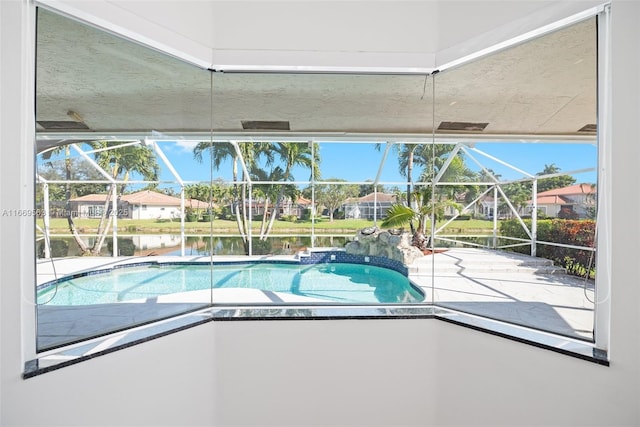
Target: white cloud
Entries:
(187, 145)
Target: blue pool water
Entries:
(335, 282)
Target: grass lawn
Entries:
(338, 226)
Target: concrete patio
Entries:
(510, 287)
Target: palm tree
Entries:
(405, 164)
(546, 184)
(120, 162)
(251, 152)
(433, 158)
(218, 153)
(266, 192)
(430, 156)
(487, 175)
(292, 154)
(289, 155)
(399, 215)
(518, 193)
(67, 196)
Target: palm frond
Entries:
(398, 215)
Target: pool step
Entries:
(470, 261)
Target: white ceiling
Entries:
(545, 87)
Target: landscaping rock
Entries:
(374, 242)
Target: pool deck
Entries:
(508, 287)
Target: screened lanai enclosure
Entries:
(146, 162)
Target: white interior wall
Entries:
(387, 372)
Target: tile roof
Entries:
(303, 201)
(90, 198)
(570, 190)
(381, 197)
(554, 200)
(146, 197)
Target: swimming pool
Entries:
(333, 282)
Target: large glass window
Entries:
(163, 188)
(111, 188)
(517, 204)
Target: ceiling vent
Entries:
(62, 125)
(464, 126)
(264, 125)
(588, 128)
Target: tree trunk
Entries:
(240, 200)
(245, 219)
(409, 189)
(72, 228)
(102, 228)
(263, 223)
(67, 195)
(278, 203)
(100, 238)
(420, 241)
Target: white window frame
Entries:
(604, 245)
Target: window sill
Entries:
(70, 355)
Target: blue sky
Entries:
(361, 161)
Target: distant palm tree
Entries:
(292, 154)
(432, 158)
(405, 154)
(487, 175)
(281, 157)
(120, 162)
(546, 184)
(267, 192)
(429, 156)
(67, 196)
(251, 153)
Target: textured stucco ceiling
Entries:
(546, 86)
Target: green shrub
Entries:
(306, 214)
(569, 232)
(218, 212)
(290, 218)
(207, 217)
(223, 212)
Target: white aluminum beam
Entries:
(447, 162)
(495, 159)
(387, 148)
(46, 138)
(93, 163)
(167, 162)
(514, 210)
(463, 209)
